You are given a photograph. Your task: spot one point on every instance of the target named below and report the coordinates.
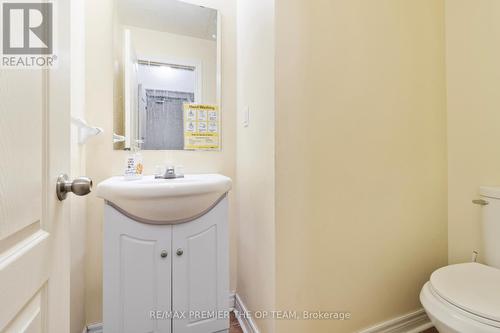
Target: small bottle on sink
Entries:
(134, 166)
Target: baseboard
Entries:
(97, 328)
(247, 323)
(414, 322)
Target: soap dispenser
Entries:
(134, 165)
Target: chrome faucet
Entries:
(169, 173)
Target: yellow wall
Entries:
(255, 158)
(104, 162)
(473, 80)
(361, 170)
(361, 217)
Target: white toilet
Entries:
(465, 298)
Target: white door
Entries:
(200, 273)
(34, 225)
(137, 275)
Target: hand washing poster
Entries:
(201, 127)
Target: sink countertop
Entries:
(164, 201)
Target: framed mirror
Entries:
(167, 76)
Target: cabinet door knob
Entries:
(164, 254)
(180, 252)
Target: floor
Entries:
(236, 328)
(431, 330)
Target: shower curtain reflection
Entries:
(161, 120)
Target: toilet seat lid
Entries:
(472, 287)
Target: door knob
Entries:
(180, 252)
(80, 186)
(164, 254)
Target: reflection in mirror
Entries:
(167, 59)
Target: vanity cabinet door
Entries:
(200, 286)
(137, 275)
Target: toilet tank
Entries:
(491, 225)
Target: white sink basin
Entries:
(164, 201)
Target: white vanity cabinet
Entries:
(166, 278)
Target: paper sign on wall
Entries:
(201, 127)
